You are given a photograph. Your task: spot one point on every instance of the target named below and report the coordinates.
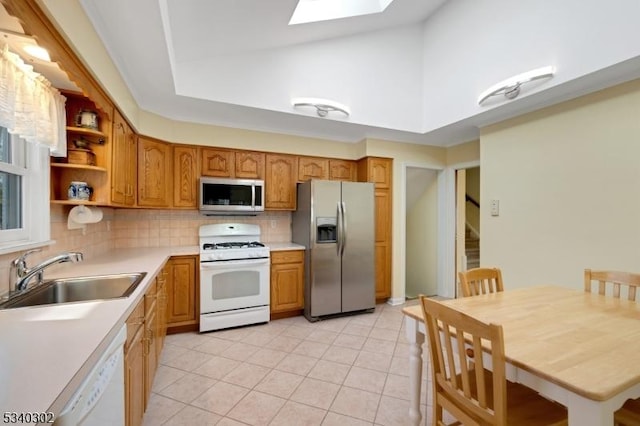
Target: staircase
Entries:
(472, 249)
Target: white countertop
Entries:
(284, 246)
(46, 351)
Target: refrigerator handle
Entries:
(339, 230)
(343, 244)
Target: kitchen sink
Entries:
(77, 289)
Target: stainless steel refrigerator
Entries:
(335, 223)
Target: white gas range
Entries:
(234, 276)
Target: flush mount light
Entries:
(322, 106)
(510, 87)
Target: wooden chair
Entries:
(476, 396)
(614, 282)
(613, 279)
(480, 281)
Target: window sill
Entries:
(13, 248)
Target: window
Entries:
(24, 183)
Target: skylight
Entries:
(325, 10)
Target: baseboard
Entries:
(395, 301)
(288, 314)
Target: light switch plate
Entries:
(495, 208)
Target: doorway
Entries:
(467, 219)
(421, 241)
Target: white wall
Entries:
(378, 75)
(567, 178)
(472, 45)
(422, 226)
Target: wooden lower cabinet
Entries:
(182, 291)
(151, 354)
(287, 281)
(134, 367)
(145, 334)
(162, 301)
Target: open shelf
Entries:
(86, 132)
(79, 167)
(76, 202)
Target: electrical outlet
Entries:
(274, 224)
(495, 208)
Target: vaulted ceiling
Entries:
(411, 73)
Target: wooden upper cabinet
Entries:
(123, 162)
(185, 176)
(154, 173)
(377, 170)
(280, 182)
(218, 162)
(342, 170)
(312, 168)
(249, 165)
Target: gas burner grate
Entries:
(232, 245)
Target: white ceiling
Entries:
(411, 73)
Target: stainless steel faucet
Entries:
(20, 275)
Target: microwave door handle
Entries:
(253, 196)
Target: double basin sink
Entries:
(78, 289)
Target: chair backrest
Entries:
(480, 281)
(615, 280)
(460, 385)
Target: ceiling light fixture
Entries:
(510, 87)
(322, 106)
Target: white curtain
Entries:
(29, 106)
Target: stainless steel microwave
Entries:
(231, 196)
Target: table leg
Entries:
(416, 339)
(583, 412)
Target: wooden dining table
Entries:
(579, 349)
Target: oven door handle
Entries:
(225, 263)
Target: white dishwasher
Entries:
(99, 401)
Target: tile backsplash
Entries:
(126, 228)
(163, 228)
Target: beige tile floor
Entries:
(344, 371)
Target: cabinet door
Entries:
(383, 243)
(134, 380)
(123, 164)
(154, 173)
(181, 291)
(383, 270)
(185, 176)
(312, 168)
(377, 170)
(249, 165)
(280, 182)
(151, 356)
(217, 162)
(161, 327)
(342, 170)
(287, 281)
